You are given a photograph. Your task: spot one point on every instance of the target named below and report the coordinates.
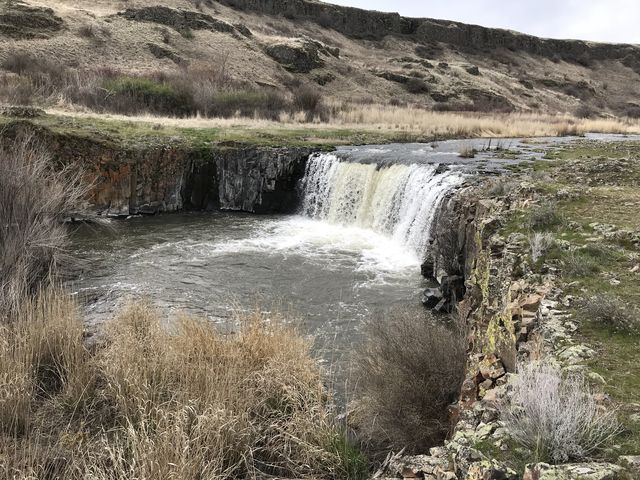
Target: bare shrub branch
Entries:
(35, 199)
(409, 371)
(540, 243)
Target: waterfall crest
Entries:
(399, 200)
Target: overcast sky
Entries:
(598, 20)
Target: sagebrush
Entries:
(555, 416)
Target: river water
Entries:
(353, 251)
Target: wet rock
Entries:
(428, 268)
(452, 287)
(431, 297)
(575, 471)
(299, 56)
(19, 21)
(472, 70)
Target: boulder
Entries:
(631, 463)
(431, 297)
(574, 471)
(530, 303)
(299, 56)
(472, 70)
(491, 368)
(159, 51)
(453, 288)
(21, 111)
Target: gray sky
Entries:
(598, 20)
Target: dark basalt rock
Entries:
(130, 180)
(20, 111)
(162, 52)
(358, 23)
(431, 297)
(299, 57)
(19, 21)
(181, 20)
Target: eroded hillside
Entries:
(349, 55)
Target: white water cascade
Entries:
(399, 201)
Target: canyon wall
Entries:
(130, 180)
(359, 23)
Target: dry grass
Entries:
(152, 403)
(396, 120)
(34, 199)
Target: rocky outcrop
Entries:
(577, 471)
(182, 20)
(128, 180)
(19, 21)
(359, 23)
(298, 56)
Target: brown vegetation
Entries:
(410, 370)
(150, 403)
(34, 199)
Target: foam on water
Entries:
(397, 201)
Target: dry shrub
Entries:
(611, 312)
(152, 402)
(545, 216)
(540, 243)
(409, 371)
(309, 100)
(34, 200)
(555, 416)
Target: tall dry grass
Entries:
(158, 403)
(400, 122)
(34, 200)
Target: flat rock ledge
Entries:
(575, 471)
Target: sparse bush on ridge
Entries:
(409, 371)
(309, 100)
(580, 263)
(132, 94)
(539, 243)
(555, 415)
(544, 216)
(610, 311)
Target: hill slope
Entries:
(350, 55)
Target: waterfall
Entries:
(398, 200)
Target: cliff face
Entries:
(358, 23)
(168, 178)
